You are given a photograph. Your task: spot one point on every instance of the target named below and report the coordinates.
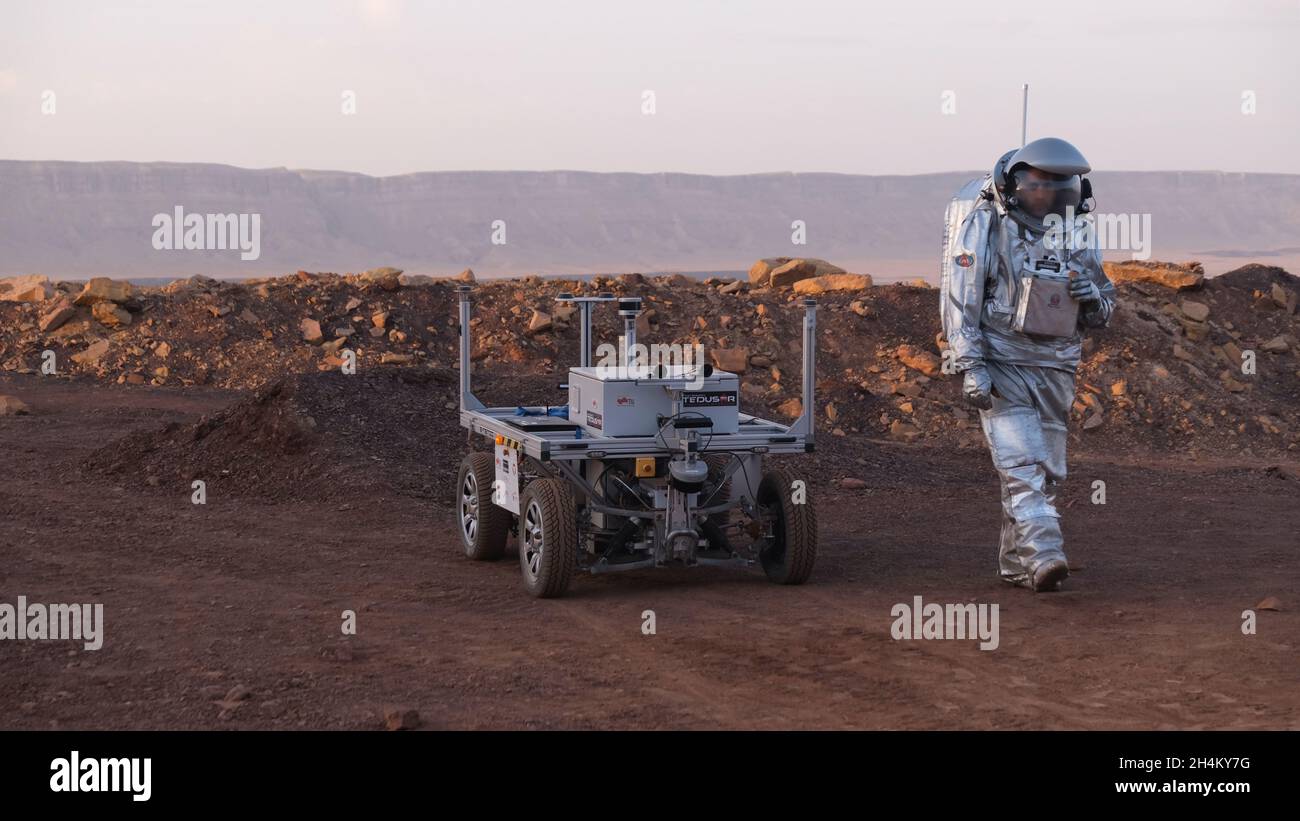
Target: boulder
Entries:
(25, 289)
(103, 289)
(792, 272)
(734, 360)
(921, 360)
(833, 282)
(1196, 311)
(109, 314)
(311, 331)
(386, 278)
(56, 316)
(92, 354)
(1171, 275)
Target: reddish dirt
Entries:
(249, 589)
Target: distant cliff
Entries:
(67, 219)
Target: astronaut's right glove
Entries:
(978, 387)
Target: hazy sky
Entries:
(739, 87)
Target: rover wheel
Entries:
(548, 538)
(788, 546)
(483, 525)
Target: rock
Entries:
(918, 282)
(396, 718)
(906, 431)
(1094, 421)
(1277, 344)
(466, 275)
(92, 354)
(311, 331)
(13, 406)
(733, 287)
(792, 407)
(108, 314)
(32, 288)
(539, 322)
(375, 333)
(1182, 353)
(103, 289)
(344, 331)
(833, 282)
(831, 413)
(921, 360)
(380, 319)
(56, 316)
(909, 389)
(1196, 311)
(352, 305)
(1118, 387)
(860, 308)
(1171, 275)
(396, 359)
(761, 271)
(734, 360)
(386, 278)
(1196, 331)
(1230, 354)
(1269, 603)
(849, 483)
(219, 311)
(792, 272)
(162, 350)
(1283, 298)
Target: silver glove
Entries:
(1085, 290)
(978, 387)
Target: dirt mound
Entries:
(319, 436)
(1169, 374)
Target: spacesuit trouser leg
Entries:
(1026, 433)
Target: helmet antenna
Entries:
(1024, 113)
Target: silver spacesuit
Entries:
(1021, 280)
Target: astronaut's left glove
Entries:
(1085, 290)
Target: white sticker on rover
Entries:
(505, 490)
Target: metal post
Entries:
(467, 399)
(809, 362)
(584, 357)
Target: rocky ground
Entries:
(1187, 365)
(328, 491)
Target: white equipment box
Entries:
(608, 401)
(505, 490)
